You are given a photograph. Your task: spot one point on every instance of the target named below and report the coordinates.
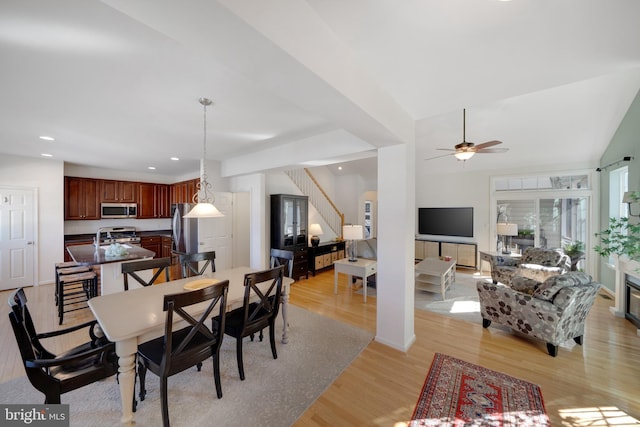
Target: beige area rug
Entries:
(274, 393)
(461, 299)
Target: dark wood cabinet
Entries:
(152, 243)
(119, 191)
(153, 201)
(166, 247)
(289, 225)
(182, 192)
(324, 255)
(81, 198)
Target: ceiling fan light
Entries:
(464, 155)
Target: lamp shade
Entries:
(506, 229)
(315, 230)
(352, 232)
(627, 197)
(204, 210)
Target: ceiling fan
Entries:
(466, 150)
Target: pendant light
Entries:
(204, 198)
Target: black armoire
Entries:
(289, 225)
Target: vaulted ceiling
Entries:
(117, 82)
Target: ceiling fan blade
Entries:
(487, 144)
(442, 155)
(493, 150)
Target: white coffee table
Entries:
(361, 268)
(435, 275)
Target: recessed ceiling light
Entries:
(339, 168)
(46, 155)
(47, 138)
(175, 159)
(151, 168)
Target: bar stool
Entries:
(67, 267)
(75, 288)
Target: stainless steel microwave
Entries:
(118, 210)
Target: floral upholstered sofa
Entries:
(554, 310)
(535, 263)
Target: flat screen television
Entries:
(446, 221)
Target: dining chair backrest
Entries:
(261, 302)
(189, 263)
(197, 342)
(131, 269)
(282, 257)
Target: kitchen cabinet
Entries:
(153, 200)
(67, 256)
(118, 191)
(182, 192)
(289, 219)
(166, 246)
(152, 243)
(81, 199)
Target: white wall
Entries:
(48, 177)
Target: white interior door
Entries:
(17, 231)
(216, 234)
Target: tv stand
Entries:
(465, 254)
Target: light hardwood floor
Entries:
(594, 384)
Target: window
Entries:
(618, 185)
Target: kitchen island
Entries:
(110, 266)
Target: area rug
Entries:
(274, 393)
(458, 393)
(461, 299)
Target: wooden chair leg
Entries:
(216, 375)
(164, 402)
(239, 357)
(272, 338)
(142, 373)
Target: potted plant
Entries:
(575, 250)
(621, 238)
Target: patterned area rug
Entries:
(458, 393)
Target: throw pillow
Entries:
(548, 290)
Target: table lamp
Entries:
(505, 229)
(352, 233)
(315, 230)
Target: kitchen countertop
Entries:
(88, 255)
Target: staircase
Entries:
(318, 198)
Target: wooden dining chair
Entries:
(178, 350)
(282, 257)
(55, 374)
(132, 268)
(189, 263)
(264, 287)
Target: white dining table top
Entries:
(139, 312)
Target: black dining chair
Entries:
(282, 257)
(55, 374)
(132, 268)
(265, 288)
(179, 350)
(189, 263)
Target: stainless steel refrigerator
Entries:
(185, 230)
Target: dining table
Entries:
(132, 317)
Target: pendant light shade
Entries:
(203, 198)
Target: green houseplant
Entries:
(621, 238)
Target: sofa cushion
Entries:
(524, 284)
(548, 290)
